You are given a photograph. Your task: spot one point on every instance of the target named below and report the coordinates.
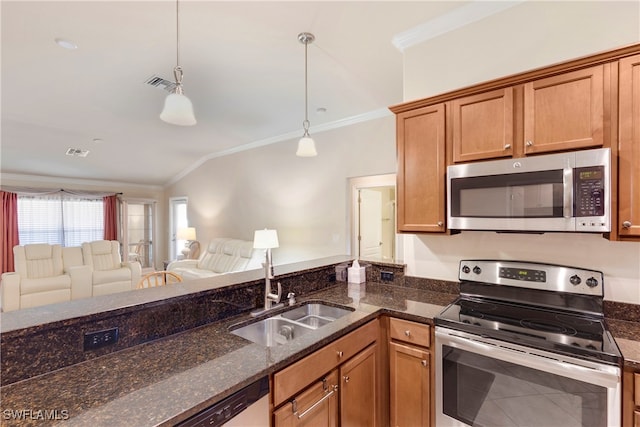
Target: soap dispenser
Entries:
(355, 273)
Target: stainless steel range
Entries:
(526, 344)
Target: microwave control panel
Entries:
(589, 188)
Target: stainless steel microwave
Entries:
(554, 192)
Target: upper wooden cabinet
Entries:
(421, 169)
(629, 148)
(483, 126)
(564, 112)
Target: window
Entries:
(60, 219)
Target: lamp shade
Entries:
(178, 110)
(187, 233)
(306, 147)
(265, 239)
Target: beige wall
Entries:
(304, 199)
(531, 35)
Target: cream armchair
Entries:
(109, 274)
(43, 277)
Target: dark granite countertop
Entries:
(165, 381)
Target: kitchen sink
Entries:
(284, 327)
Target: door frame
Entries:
(355, 185)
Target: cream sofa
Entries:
(47, 274)
(222, 255)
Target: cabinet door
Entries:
(564, 112)
(317, 406)
(359, 400)
(483, 126)
(629, 148)
(410, 386)
(421, 169)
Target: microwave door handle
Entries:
(567, 190)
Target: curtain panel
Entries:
(110, 204)
(9, 227)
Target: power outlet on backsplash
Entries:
(386, 276)
(99, 339)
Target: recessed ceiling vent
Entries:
(78, 152)
(156, 81)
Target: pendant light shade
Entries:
(178, 109)
(306, 145)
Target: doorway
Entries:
(373, 213)
(139, 231)
(177, 219)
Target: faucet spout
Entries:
(271, 299)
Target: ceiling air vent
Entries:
(156, 81)
(78, 152)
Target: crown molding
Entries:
(457, 18)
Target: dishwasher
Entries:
(248, 407)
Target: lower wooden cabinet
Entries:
(410, 374)
(359, 398)
(338, 385)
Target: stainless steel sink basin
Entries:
(279, 329)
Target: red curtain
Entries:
(110, 217)
(9, 227)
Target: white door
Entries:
(370, 224)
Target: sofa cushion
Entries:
(42, 260)
(45, 284)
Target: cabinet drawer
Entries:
(410, 332)
(295, 377)
(317, 405)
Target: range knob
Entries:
(477, 270)
(466, 269)
(575, 280)
(592, 282)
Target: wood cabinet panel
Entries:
(483, 126)
(359, 400)
(629, 148)
(410, 396)
(317, 406)
(410, 332)
(565, 111)
(299, 375)
(421, 169)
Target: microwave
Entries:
(555, 192)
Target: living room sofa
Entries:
(47, 274)
(222, 255)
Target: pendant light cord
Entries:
(177, 35)
(305, 124)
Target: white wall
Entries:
(527, 36)
(305, 199)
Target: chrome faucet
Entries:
(271, 300)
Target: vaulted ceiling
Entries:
(243, 70)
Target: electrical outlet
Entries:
(99, 339)
(386, 276)
(331, 277)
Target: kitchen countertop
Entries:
(168, 380)
(165, 381)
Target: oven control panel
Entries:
(533, 275)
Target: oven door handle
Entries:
(604, 375)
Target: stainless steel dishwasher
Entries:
(248, 407)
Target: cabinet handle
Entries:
(407, 333)
(424, 363)
(507, 146)
(528, 143)
(310, 408)
(339, 353)
(627, 224)
(440, 223)
(346, 378)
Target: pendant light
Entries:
(178, 109)
(306, 145)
